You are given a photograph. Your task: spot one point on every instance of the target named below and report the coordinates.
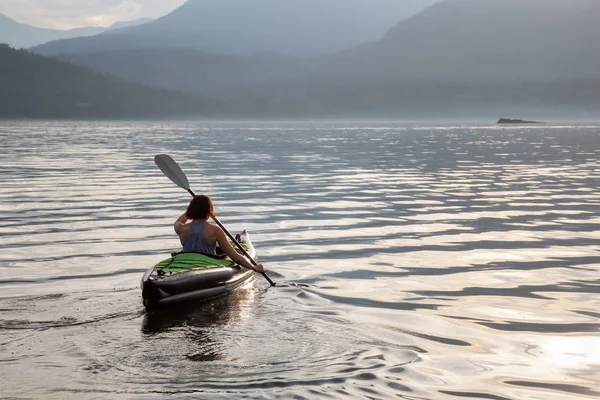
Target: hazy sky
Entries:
(65, 14)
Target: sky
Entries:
(66, 14)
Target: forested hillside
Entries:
(34, 86)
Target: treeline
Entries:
(388, 98)
(34, 86)
(267, 86)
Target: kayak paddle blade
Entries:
(170, 168)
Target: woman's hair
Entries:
(200, 207)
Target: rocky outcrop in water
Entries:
(516, 121)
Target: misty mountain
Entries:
(22, 35)
(213, 75)
(242, 27)
(127, 24)
(491, 40)
(34, 86)
(458, 57)
(453, 41)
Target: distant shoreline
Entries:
(333, 120)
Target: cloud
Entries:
(65, 14)
(127, 9)
(124, 11)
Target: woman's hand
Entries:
(259, 268)
(182, 219)
(234, 255)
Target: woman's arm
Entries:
(180, 223)
(234, 255)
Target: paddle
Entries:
(170, 168)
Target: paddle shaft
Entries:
(239, 246)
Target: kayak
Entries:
(191, 277)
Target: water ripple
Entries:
(419, 262)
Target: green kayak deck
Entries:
(191, 261)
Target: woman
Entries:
(200, 236)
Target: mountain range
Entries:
(21, 35)
(454, 40)
(456, 57)
(243, 27)
(461, 57)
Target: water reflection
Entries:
(219, 311)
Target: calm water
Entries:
(414, 262)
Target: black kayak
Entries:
(192, 277)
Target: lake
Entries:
(413, 261)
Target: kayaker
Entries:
(202, 237)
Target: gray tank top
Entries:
(197, 242)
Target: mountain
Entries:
(452, 41)
(213, 75)
(127, 24)
(33, 86)
(243, 27)
(457, 57)
(488, 41)
(22, 35)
